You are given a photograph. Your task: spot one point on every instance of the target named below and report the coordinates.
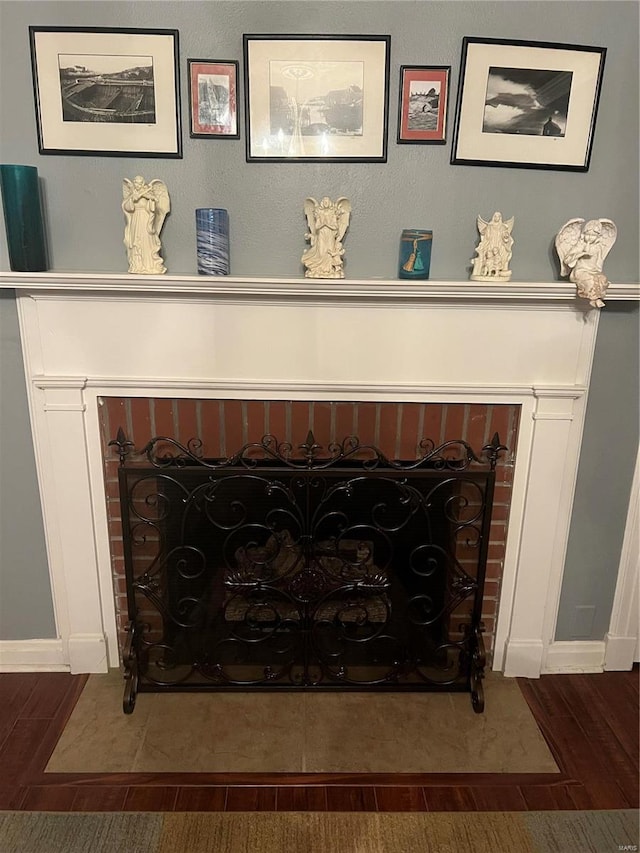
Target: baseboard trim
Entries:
(575, 656)
(87, 653)
(32, 656)
(619, 653)
(523, 658)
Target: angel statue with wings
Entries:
(493, 252)
(328, 223)
(582, 247)
(145, 207)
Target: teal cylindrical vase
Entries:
(212, 240)
(23, 218)
(415, 253)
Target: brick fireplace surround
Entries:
(222, 427)
(93, 342)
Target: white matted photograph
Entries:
(316, 98)
(527, 104)
(109, 92)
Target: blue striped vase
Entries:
(212, 236)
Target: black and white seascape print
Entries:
(107, 88)
(424, 105)
(527, 101)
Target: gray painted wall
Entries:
(416, 187)
(607, 463)
(26, 609)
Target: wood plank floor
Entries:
(589, 721)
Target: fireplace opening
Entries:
(305, 567)
(223, 425)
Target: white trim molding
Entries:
(33, 656)
(312, 290)
(622, 639)
(297, 339)
(575, 656)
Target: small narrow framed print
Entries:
(527, 104)
(422, 103)
(213, 98)
(109, 92)
(316, 98)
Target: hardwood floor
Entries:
(589, 721)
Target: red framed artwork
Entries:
(213, 98)
(422, 103)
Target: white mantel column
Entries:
(59, 409)
(558, 422)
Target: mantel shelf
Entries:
(254, 288)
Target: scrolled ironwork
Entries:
(124, 446)
(305, 567)
(453, 455)
(493, 450)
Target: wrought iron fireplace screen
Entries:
(304, 568)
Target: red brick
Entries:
(454, 422)
(494, 570)
(322, 425)
(500, 512)
(476, 426)
(388, 429)
(277, 420)
(499, 422)
(141, 420)
(502, 493)
(163, 414)
(115, 416)
(491, 589)
(496, 551)
(433, 428)
(409, 438)
(489, 608)
(187, 421)
(210, 419)
(367, 423)
(255, 420)
(344, 420)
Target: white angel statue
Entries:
(145, 207)
(493, 252)
(582, 247)
(328, 223)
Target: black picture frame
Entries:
(427, 123)
(109, 92)
(527, 104)
(218, 122)
(305, 97)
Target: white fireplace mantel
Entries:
(385, 290)
(88, 335)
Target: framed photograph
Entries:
(527, 104)
(108, 92)
(316, 98)
(422, 103)
(213, 98)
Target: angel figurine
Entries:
(145, 206)
(493, 252)
(328, 223)
(582, 247)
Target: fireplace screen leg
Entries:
(130, 662)
(478, 662)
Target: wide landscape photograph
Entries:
(527, 101)
(102, 88)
